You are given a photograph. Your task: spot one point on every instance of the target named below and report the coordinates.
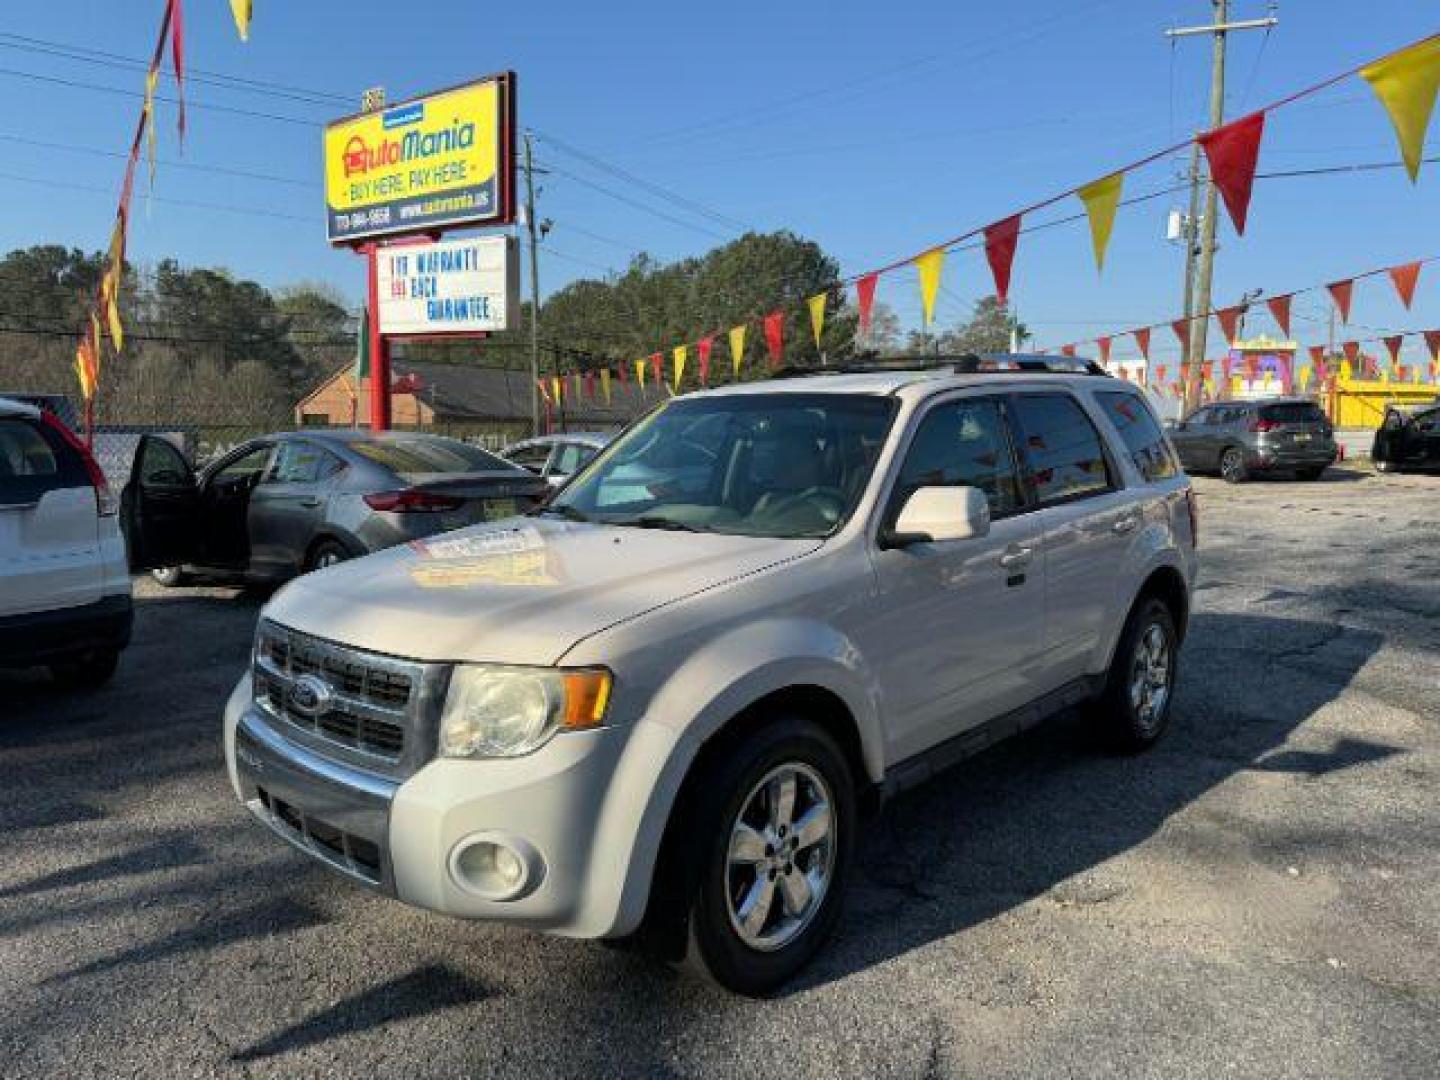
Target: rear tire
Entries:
(170, 576)
(326, 553)
(88, 671)
(774, 831)
(1232, 466)
(1133, 710)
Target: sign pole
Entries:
(379, 348)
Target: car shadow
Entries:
(1031, 815)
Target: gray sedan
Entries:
(288, 503)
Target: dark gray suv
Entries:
(1239, 439)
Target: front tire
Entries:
(1133, 710)
(777, 823)
(1232, 466)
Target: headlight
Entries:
(494, 711)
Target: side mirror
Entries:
(1171, 424)
(937, 514)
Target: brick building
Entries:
(466, 399)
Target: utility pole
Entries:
(532, 227)
(1198, 275)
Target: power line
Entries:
(167, 162)
(638, 205)
(220, 80)
(192, 204)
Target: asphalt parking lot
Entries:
(1256, 897)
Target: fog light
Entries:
(496, 867)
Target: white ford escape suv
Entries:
(664, 699)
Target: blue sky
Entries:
(874, 129)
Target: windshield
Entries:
(428, 454)
(778, 465)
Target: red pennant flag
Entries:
(1432, 344)
(702, 350)
(1280, 309)
(590, 385)
(1142, 341)
(865, 298)
(1405, 278)
(1000, 241)
(1103, 344)
(1252, 368)
(1225, 364)
(622, 373)
(1182, 335)
(657, 368)
(1229, 319)
(1340, 292)
(1160, 373)
(177, 57)
(775, 336)
(1351, 349)
(1402, 372)
(1392, 346)
(1232, 152)
(1067, 350)
(1317, 354)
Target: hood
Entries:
(522, 591)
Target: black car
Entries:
(291, 502)
(1408, 439)
(1239, 439)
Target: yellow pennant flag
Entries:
(85, 369)
(557, 387)
(112, 319)
(928, 266)
(1406, 84)
(679, 355)
(148, 109)
(737, 348)
(241, 9)
(816, 304)
(605, 383)
(640, 374)
(1101, 198)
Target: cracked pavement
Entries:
(1257, 896)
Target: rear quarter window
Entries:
(34, 461)
(1144, 441)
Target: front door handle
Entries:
(1126, 524)
(1015, 558)
(310, 504)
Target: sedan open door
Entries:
(160, 507)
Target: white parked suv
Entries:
(64, 585)
(664, 706)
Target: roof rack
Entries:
(966, 364)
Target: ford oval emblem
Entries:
(309, 695)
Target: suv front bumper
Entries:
(580, 810)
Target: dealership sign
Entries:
(458, 286)
(423, 165)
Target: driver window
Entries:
(964, 444)
(247, 465)
(161, 465)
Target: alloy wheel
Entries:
(1150, 670)
(781, 856)
(1232, 465)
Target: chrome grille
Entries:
(369, 702)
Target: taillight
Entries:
(411, 501)
(1193, 510)
(1264, 425)
(106, 504)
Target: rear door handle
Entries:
(1015, 558)
(1126, 524)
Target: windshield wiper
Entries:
(569, 513)
(656, 521)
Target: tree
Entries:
(988, 331)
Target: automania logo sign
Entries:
(361, 157)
